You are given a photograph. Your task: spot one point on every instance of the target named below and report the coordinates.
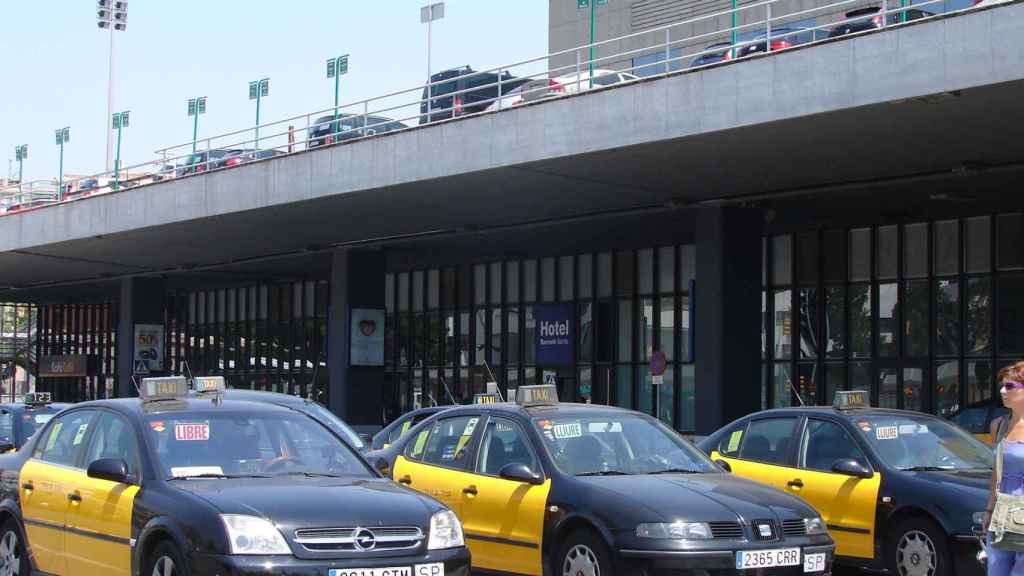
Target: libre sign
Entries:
(554, 334)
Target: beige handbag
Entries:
(1007, 522)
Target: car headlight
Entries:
(675, 530)
(252, 535)
(445, 531)
(815, 525)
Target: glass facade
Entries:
(452, 330)
(89, 329)
(921, 314)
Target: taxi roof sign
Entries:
(486, 399)
(851, 399)
(38, 398)
(166, 388)
(542, 395)
(209, 384)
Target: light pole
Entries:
(335, 68)
(62, 136)
(120, 121)
(111, 15)
(258, 90)
(428, 14)
(196, 106)
(592, 5)
(20, 154)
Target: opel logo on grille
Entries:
(363, 539)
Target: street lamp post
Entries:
(111, 15)
(258, 90)
(20, 154)
(196, 106)
(62, 136)
(335, 68)
(592, 5)
(428, 14)
(120, 121)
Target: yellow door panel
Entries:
(99, 527)
(847, 504)
(44, 506)
(504, 523)
(774, 476)
(439, 483)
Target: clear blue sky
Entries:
(55, 64)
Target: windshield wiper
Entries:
(604, 473)
(676, 471)
(310, 474)
(927, 469)
(219, 476)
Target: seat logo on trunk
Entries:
(363, 539)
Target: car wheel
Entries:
(13, 560)
(917, 547)
(583, 553)
(165, 561)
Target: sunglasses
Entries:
(1011, 385)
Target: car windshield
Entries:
(910, 442)
(337, 425)
(613, 443)
(238, 443)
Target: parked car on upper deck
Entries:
(465, 92)
(861, 19)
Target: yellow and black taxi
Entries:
(899, 490)
(173, 483)
(19, 421)
(977, 418)
(401, 426)
(544, 487)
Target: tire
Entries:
(165, 561)
(13, 559)
(583, 553)
(917, 547)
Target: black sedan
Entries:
(173, 484)
(870, 18)
(899, 490)
(19, 421)
(544, 487)
(312, 409)
(781, 39)
(329, 130)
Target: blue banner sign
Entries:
(554, 334)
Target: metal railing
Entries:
(768, 29)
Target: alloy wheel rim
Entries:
(581, 561)
(916, 555)
(10, 557)
(164, 567)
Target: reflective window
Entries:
(947, 317)
(947, 388)
(913, 389)
(1010, 246)
(980, 379)
(888, 252)
(604, 275)
(547, 279)
(915, 250)
(769, 440)
(448, 442)
(645, 271)
(915, 321)
(977, 245)
(782, 260)
(860, 254)
(888, 322)
(807, 258)
(566, 274)
(783, 323)
(809, 322)
(1010, 319)
(504, 443)
(666, 269)
(625, 340)
(65, 439)
(978, 315)
(585, 288)
(115, 438)
(834, 260)
(835, 321)
(947, 247)
(782, 381)
(860, 320)
(826, 443)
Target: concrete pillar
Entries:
(727, 333)
(356, 393)
(142, 302)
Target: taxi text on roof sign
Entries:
(545, 394)
(37, 398)
(851, 399)
(208, 384)
(171, 387)
(486, 399)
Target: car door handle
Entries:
(470, 490)
(797, 483)
(407, 480)
(28, 486)
(75, 497)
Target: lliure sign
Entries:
(554, 334)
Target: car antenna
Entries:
(797, 394)
(495, 380)
(187, 369)
(138, 391)
(446, 389)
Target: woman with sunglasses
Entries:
(1011, 435)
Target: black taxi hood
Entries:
(709, 497)
(294, 502)
(966, 482)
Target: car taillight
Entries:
(201, 168)
(877, 21)
(780, 45)
(329, 140)
(233, 161)
(556, 86)
(458, 105)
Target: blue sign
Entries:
(554, 334)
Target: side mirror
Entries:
(112, 469)
(520, 473)
(381, 464)
(851, 467)
(723, 465)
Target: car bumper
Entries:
(456, 563)
(658, 562)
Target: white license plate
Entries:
(751, 559)
(814, 562)
(432, 569)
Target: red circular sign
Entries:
(658, 363)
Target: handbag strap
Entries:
(1001, 432)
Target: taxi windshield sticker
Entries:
(191, 471)
(734, 441)
(421, 441)
(865, 426)
(80, 435)
(157, 426)
(599, 427)
(908, 429)
(572, 430)
(192, 432)
(887, 432)
(470, 427)
(43, 418)
(52, 440)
